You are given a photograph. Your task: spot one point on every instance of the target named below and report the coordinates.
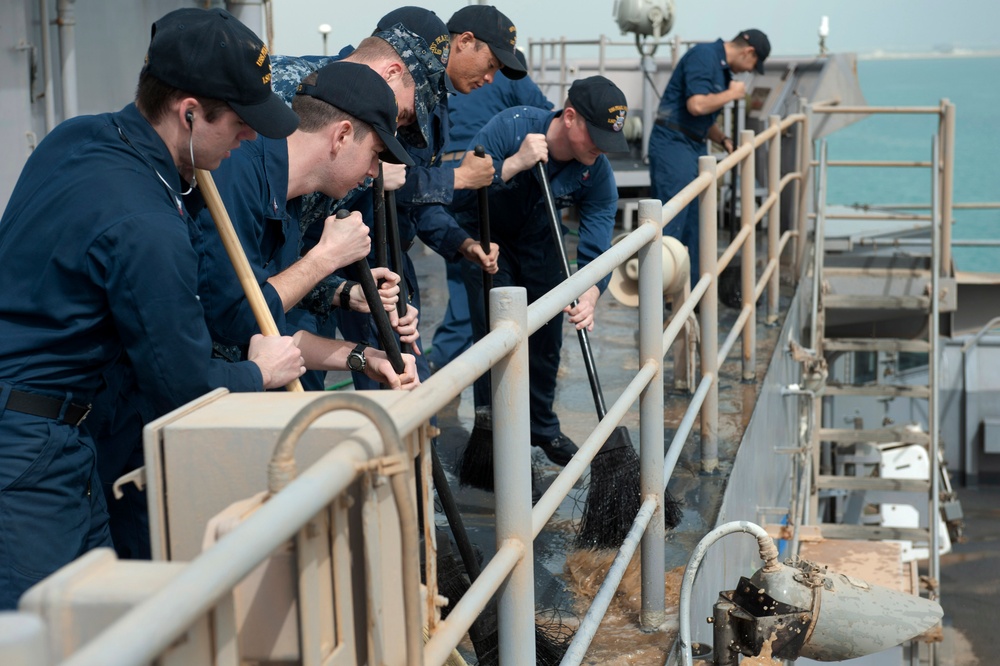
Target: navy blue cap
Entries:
(491, 26)
(425, 24)
(604, 107)
(211, 54)
(358, 90)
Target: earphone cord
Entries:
(158, 175)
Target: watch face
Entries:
(356, 360)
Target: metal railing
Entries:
(509, 574)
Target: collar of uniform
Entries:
(140, 136)
(720, 53)
(275, 153)
(429, 78)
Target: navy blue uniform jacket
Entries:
(96, 258)
(518, 202)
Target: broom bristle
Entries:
(613, 499)
(614, 496)
(475, 467)
(552, 638)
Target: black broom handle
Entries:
(454, 517)
(556, 226)
(396, 249)
(378, 211)
(484, 239)
(389, 344)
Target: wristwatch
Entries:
(345, 294)
(356, 360)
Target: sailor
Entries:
(409, 48)
(699, 87)
(348, 123)
(105, 270)
(483, 44)
(572, 142)
(466, 115)
(477, 34)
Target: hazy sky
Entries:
(855, 25)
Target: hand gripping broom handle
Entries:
(239, 260)
(556, 227)
(385, 335)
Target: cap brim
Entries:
(271, 118)
(759, 67)
(607, 142)
(394, 152)
(512, 67)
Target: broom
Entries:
(550, 646)
(475, 468)
(615, 493)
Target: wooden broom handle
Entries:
(239, 260)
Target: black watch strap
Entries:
(345, 294)
(356, 360)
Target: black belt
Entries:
(683, 130)
(46, 407)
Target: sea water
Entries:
(973, 85)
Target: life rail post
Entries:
(748, 263)
(709, 318)
(774, 219)
(652, 483)
(512, 478)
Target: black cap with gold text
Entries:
(211, 54)
(604, 107)
(490, 25)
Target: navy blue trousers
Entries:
(673, 164)
(52, 509)
(526, 260)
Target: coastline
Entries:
(929, 55)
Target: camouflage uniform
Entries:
(431, 86)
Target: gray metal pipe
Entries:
(651, 351)
(934, 372)
(775, 185)
(768, 553)
(748, 266)
(512, 479)
(66, 21)
(709, 319)
(50, 97)
(818, 249)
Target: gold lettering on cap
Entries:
(263, 56)
(266, 79)
(439, 44)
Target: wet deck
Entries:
(566, 578)
(614, 341)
